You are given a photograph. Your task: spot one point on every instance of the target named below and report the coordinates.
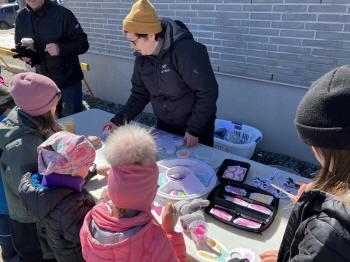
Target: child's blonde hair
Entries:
(334, 177)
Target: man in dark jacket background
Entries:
(173, 72)
(58, 40)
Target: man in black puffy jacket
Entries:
(173, 72)
(58, 40)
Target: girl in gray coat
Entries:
(25, 128)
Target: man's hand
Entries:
(269, 256)
(52, 49)
(190, 140)
(26, 54)
(23, 51)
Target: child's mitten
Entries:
(184, 207)
(187, 219)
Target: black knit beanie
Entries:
(323, 115)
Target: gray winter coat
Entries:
(19, 140)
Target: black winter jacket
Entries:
(54, 24)
(61, 213)
(179, 82)
(318, 230)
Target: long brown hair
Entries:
(47, 124)
(334, 177)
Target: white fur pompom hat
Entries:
(130, 144)
(131, 152)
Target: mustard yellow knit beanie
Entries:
(142, 19)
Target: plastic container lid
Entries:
(184, 179)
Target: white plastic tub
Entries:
(248, 137)
(191, 176)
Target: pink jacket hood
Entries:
(149, 244)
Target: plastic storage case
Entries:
(240, 205)
(249, 136)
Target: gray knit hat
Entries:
(323, 115)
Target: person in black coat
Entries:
(173, 72)
(55, 196)
(58, 40)
(319, 226)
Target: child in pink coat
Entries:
(123, 228)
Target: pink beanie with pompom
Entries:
(132, 181)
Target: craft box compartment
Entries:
(241, 205)
(184, 179)
(233, 170)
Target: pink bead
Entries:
(200, 230)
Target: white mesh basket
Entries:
(244, 138)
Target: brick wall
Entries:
(289, 41)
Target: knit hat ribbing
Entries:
(142, 19)
(323, 115)
(133, 186)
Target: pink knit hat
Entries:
(132, 181)
(33, 93)
(65, 153)
(133, 186)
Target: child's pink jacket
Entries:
(150, 244)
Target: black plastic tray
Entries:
(216, 200)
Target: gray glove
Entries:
(190, 211)
(186, 220)
(184, 207)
